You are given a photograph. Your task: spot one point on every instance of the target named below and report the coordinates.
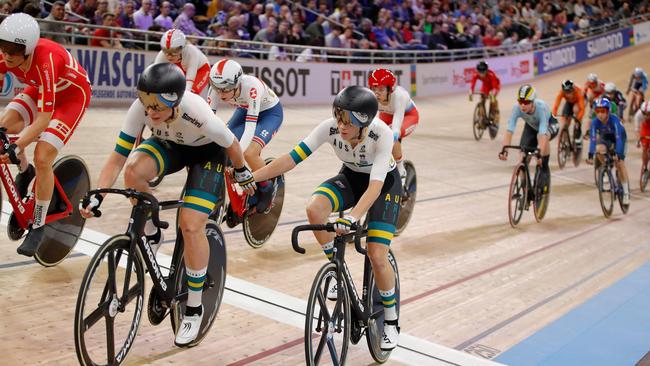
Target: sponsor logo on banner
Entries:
(463, 77)
(642, 33)
(521, 69)
(604, 45)
(340, 79)
(290, 81)
(558, 58)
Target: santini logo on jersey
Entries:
(192, 120)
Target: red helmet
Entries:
(381, 77)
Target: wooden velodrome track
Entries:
(470, 282)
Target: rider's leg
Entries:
(409, 123)
(384, 275)
(141, 167)
(253, 156)
(494, 110)
(545, 151)
(577, 129)
(19, 114)
(318, 211)
(644, 156)
(397, 155)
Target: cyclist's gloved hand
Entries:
(503, 155)
(245, 178)
(342, 225)
(89, 206)
(12, 151)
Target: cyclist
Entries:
(612, 137)
(574, 105)
(47, 111)
(541, 127)
(642, 127)
(490, 87)
(594, 88)
(396, 109)
(638, 86)
(368, 182)
(257, 118)
(175, 49)
(616, 98)
(184, 134)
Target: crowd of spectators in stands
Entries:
(345, 25)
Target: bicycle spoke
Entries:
(332, 348)
(111, 273)
(110, 338)
(321, 344)
(322, 302)
(96, 315)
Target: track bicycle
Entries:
(566, 143)
(111, 296)
(482, 120)
(331, 325)
(610, 187)
(63, 223)
(524, 190)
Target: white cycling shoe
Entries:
(333, 291)
(188, 330)
(390, 336)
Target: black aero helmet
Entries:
(482, 66)
(360, 102)
(162, 83)
(567, 85)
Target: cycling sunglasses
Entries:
(524, 101)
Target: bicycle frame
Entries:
(238, 201)
(24, 211)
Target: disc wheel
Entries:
(258, 227)
(62, 235)
(542, 197)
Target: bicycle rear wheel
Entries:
(215, 282)
(517, 195)
(477, 129)
(408, 199)
(257, 227)
(542, 196)
(606, 192)
(327, 322)
(105, 326)
(62, 235)
(643, 181)
(376, 319)
(493, 128)
(563, 148)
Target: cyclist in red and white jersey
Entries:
(48, 110)
(396, 109)
(257, 118)
(195, 65)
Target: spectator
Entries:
(102, 8)
(57, 13)
(163, 19)
(6, 7)
(125, 20)
(70, 11)
(185, 23)
(87, 9)
(297, 36)
(268, 14)
(366, 29)
(282, 35)
(312, 13)
(103, 37)
(315, 31)
(142, 18)
(253, 24)
(267, 34)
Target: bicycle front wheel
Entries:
(517, 195)
(477, 128)
(213, 288)
(327, 322)
(376, 319)
(606, 191)
(408, 199)
(109, 304)
(643, 183)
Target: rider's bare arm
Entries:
(277, 167)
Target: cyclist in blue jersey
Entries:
(638, 86)
(608, 134)
(540, 128)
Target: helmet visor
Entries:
(157, 102)
(524, 101)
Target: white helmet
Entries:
(638, 72)
(226, 74)
(645, 107)
(21, 28)
(610, 87)
(173, 38)
(592, 78)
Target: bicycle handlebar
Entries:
(517, 147)
(357, 233)
(142, 197)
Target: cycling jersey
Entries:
(56, 83)
(372, 155)
(610, 133)
(193, 125)
(576, 97)
(640, 119)
(254, 98)
(490, 82)
(195, 66)
(400, 113)
(539, 120)
(640, 84)
(597, 88)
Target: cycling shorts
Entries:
(411, 119)
(268, 124)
